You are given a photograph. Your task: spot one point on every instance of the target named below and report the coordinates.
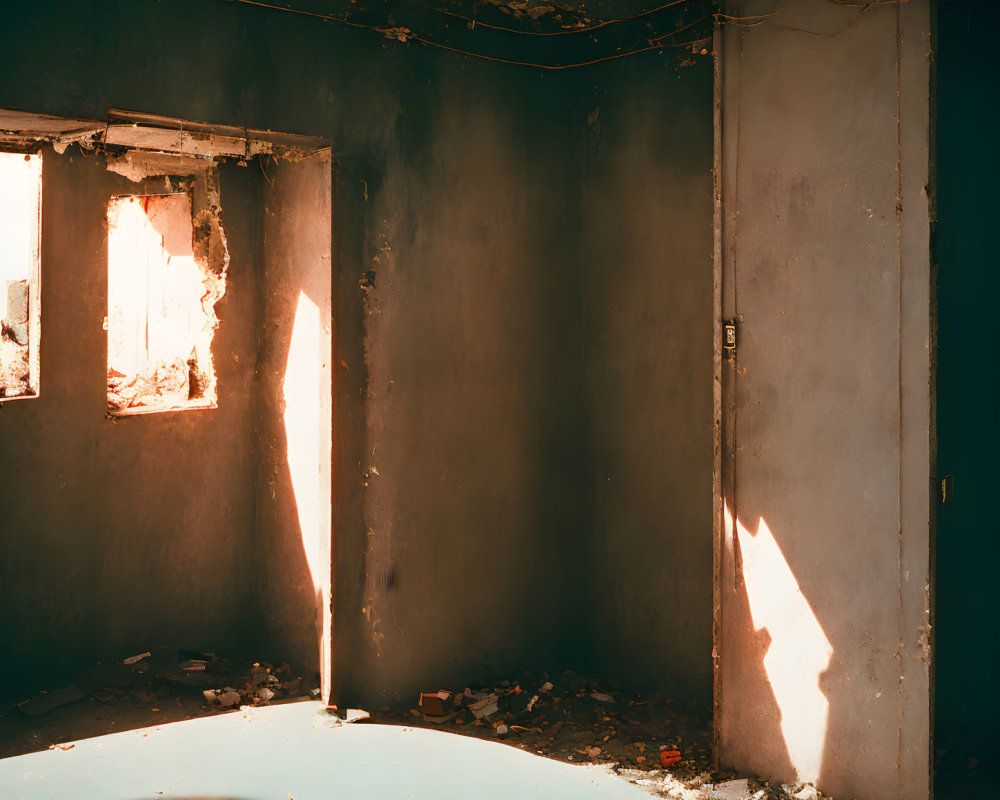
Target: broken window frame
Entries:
(146, 148)
(32, 388)
(200, 371)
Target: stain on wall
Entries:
(647, 352)
(483, 385)
(826, 261)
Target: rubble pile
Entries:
(649, 740)
(168, 383)
(574, 718)
(262, 685)
(221, 682)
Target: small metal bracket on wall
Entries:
(947, 489)
(729, 335)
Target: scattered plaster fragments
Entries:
(573, 718)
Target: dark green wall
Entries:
(967, 638)
(485, 216)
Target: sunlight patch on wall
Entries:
(301, 390)
(799, 651)
(20, 212)
(161, 307)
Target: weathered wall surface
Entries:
(122, 534)
(293, 411)
(647, 333)
(824, 662)
(466, 352)
(472, 249)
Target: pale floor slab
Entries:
(291, 751)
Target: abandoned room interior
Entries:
(498, 398)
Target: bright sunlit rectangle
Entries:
(161, 316)
(20, 274)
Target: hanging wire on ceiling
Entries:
(405, 34)
(760, 20)
(567, 32)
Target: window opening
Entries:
(161, 306)
(20, 274)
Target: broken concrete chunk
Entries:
(264, 693)
(258, 675)
(485, 707)
(210, 695)
(502, 730)
(545, 687)
(229, 698)
(807, 792)
(486, 711)
(601, 697)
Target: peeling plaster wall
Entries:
(477, 393)
(121, 534)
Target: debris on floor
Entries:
(570, 717)
(220, 682)
(161, 685)
(332, 717)
(649, 740)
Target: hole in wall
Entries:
(166, 272)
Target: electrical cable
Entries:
(587, 29)
(407, 34)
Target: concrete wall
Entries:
(647, 352)
(824, 662)
(293, 412)
(462, 560)
(122, 534)
(476, 395)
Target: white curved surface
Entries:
(289, 751)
